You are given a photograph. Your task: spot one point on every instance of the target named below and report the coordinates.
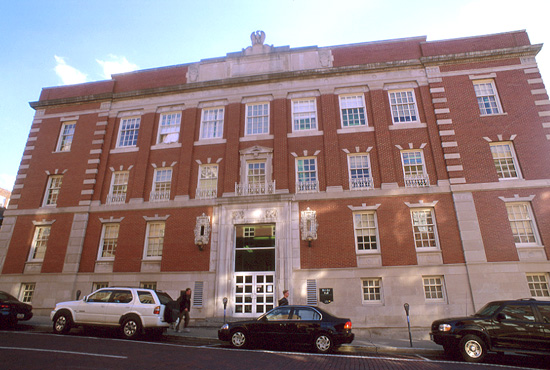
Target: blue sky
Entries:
(56, 42)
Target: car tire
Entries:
(323, 343)
(131, 328)
(239, 339)
(62, 323)
(472, 348)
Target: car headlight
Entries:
(444, 327)
(225, 327)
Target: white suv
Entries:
(133, 310)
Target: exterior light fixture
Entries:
(309, 225)
(202, 231)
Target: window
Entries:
(52, 190)
(99, 285)
(257, 119)
(372, 290)
(522, 222)
(154, 240)
(212, 123)
(39, 243)
(306, 175)
(161, 184)
(66, 137)
(352, 110)
(305, 313)
(505, 160)
(434, 289)
(414, 171)
(27, 291)
(366, 230)
(538, 285)
(255, 172)
(119, 187)
(169, 128)
(304, 114)
(424, 229)
(403, 106)
(148, 285)
(518, 312)
(208, 181)
(128, 133)
(109, 241)
(248, 232)
(359, 172)
(487, 98)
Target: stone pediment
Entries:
(256, 150)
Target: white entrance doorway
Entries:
(254, 275)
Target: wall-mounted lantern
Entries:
(309, 225)
(202, 231)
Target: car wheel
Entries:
(323, 343)
(239, 339)
(62, 323)
(131, 328)
(472, 348)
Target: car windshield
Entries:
(164, 297)
(488, 310)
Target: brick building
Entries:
(399, 171)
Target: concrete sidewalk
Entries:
(361, 343)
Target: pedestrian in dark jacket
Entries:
(185, 306)
(284, 301)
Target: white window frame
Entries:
(110, 253)
(304, 112)
(66, 137)
(374, 288)
(148, 285)
(259, 120)
(120, 196)
(212, 122)
(357, 228)
(311, 186)
(207, 183)
(150, 253)
(27, 292)
(169, 127)
(418, 179)
(161, 188)
(433, 283)
(127, 136)
(530, 220)
(483, 95)
(39, 244)
(538, 284)
(425, 229)
(360, 183)
(399, 109)
(512, 156)
(255, 178)
(342, 99)
(52, 190)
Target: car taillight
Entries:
(4, 306)
(348, 325)
(156, 311)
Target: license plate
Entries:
(20, 315)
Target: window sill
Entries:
(529, 245)
(368, 253)
(373, 303)
(166, 146)
(428, 250)
(256, 137)
(405, 126)
(305, 133)
(353, 130)
(124, 150)
(210, 141)
(493, 115)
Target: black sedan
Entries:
(12, 310)
(290, 324)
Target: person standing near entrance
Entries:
(185, 306)
(284, 301)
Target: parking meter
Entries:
(78, 292)
(406, 306)
(224, 307)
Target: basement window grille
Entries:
(312, 292)
(198, 294)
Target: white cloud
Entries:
(7, 181)
(116, 65)
(69, 75)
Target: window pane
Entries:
(353, 110)
(169, 128)
(129, 129)
(403, 106)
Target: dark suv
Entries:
(520, 326)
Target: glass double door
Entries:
(254, 275)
